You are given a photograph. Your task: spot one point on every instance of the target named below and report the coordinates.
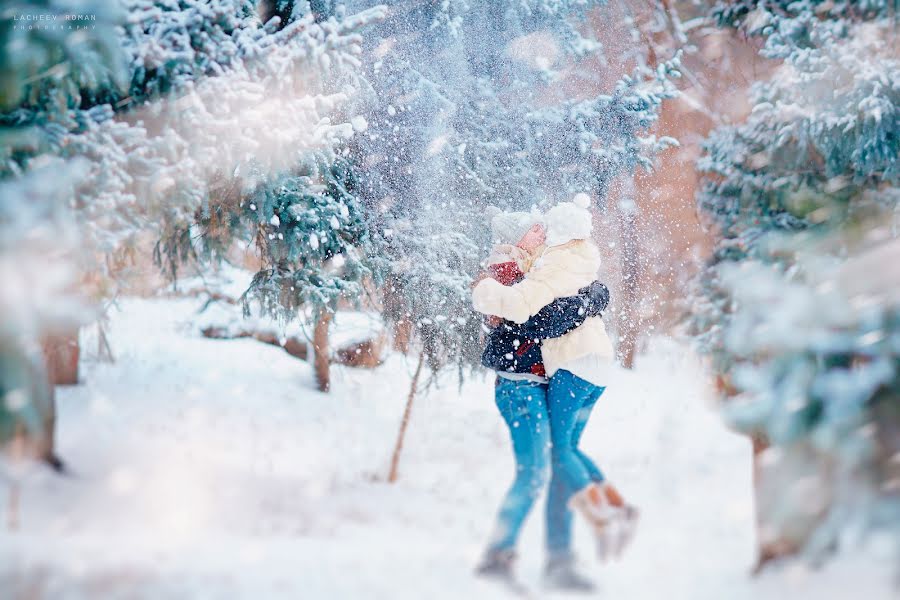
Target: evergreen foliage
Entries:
(279, 85)
(798, 195)
(315, 240)
(470, 112)
(181, 115)
(45, 76)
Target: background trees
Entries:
(803, 196)
(482, 104)
(164, 122)
(46, 78)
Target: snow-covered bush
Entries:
(809, 183)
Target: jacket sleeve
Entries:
(516, 303)
(555, 275)
(565, 314)
(554, 320)
(597, 297)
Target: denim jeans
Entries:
(570, 400)
(523, 405)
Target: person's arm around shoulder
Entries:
(565, 314)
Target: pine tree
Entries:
(239, 114)
(799, 196)
(289, 191)
(265, 165)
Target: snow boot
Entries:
(561, 574)
(592, 502)
(498, 566)
(627, 521)
(613, 520)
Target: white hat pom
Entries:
(569, 221)
(582, 200)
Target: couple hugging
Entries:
(549, 347)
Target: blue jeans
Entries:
(523, 405)
(570, 400)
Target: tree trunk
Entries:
(47, 447)
(769, 548)
(61, 353)
(17, 454)
(402, 335)
(12, 514)
(629, 310)
(321, 359)
(398, 446)
(395, 307)
(104, 349)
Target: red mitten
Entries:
(506, 273)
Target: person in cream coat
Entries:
(577, 365)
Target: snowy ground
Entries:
(212, 469)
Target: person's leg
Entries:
(566, 396)
(566, 402)
(612, 495)
(559, 520)
(559, 515)
(561, 571)
(613, 519)
(523, 406)
(583, 416)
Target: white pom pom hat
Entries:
(569, 221)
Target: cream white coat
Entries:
(560, 271)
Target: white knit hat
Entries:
(509, 227)
(569, 221)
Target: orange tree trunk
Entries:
(321, 361)
(396, 308)
(402, 335)
(404, 423)
(62, 353)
